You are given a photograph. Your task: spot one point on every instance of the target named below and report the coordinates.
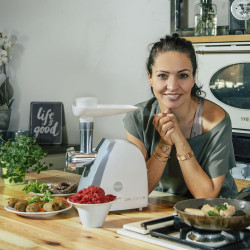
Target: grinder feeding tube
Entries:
(116, 165)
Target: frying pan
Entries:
(239, 221)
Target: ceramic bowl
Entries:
(92, 215)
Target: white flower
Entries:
(5, 36)
(7, 45)
(3, 53)
(4, 59)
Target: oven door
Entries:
(224, 73)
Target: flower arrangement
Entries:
(5, 49)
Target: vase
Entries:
(6, 100)
(8, 183)
(5, 119)
(205, 18)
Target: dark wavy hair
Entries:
(174, 43)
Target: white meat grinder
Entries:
(116, 165)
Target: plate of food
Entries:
(38, 207)
(59, 189)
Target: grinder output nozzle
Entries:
(77, 159)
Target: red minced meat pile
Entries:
(91, 195)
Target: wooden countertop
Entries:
(65, 231)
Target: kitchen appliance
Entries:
(178, 235)
(224, 73)
(173, 233)
(116, 165)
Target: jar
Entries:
(205, 18)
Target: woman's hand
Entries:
(165, 125)
(168, 127)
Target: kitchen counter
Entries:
(65, 231)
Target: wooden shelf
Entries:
(219, 39)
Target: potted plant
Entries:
(6, 100)
(21, 156)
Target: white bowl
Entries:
(92, 215)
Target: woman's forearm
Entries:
(156, 164)
(198, 182)
(155, 171)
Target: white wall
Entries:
(73, 48)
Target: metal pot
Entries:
(239, 221)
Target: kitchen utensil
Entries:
(116, 165)
(145, 224)
(144, 227)
(239, 221)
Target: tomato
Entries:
(40, 203)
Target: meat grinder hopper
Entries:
(116, 165)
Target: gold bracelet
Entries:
(186, 156)
(164, 159)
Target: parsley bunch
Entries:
(21, 156)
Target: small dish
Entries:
(36, 214)
(92, 215)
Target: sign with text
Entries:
(46, 122)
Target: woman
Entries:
(185, 139)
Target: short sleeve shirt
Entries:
(213, 150)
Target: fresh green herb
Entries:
(46, 198)
(36, 187)
(221, 207)
(21, 156)
(211, 213)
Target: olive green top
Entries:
(213, 150)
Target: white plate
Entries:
(102, 110)
(36, 214)
(55, 195)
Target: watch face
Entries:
(238, 9)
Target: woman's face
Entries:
(172, 79)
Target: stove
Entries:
(171, 232)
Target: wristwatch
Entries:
(186, 156)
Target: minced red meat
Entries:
(91, 195)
